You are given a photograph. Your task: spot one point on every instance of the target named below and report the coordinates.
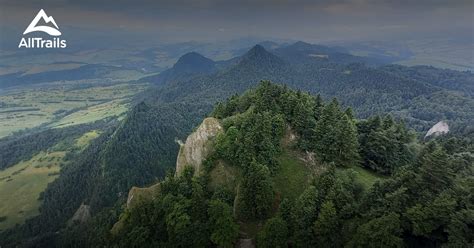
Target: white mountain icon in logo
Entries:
(47, 19)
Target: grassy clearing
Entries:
(97, 112)
(366, 177)
(292, 178)
(86, 138)
(21, 185)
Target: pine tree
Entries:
(336, 137)
(224, 231)
(327, 226)
(380, 232)
(348, 142)
(255, 192)
(273, 234)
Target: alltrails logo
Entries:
(38, 42)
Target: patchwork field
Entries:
(22, 184)
(65, 104)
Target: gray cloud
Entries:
(225, 19)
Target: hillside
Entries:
(258, 172)
(189, 65)
(140, 149)
(320, 70)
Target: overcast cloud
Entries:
(223, 19)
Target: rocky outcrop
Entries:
(198, 145)
(439, 128)
(137, 194)
(82, 215)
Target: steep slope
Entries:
(188, 65)
(259, 187)
(198, 146)
(140, 151)
(331, 74)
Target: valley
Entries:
(63, 104)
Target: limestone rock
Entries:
(82, 215)
(198, 145)
(439, 128)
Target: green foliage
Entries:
(224, 231)
(384, 144)
(251, 136)
(335, 136)
(327, 226)
(425, 201)
(255, 195)
(274, 234)
(379, 232)
(427, 218)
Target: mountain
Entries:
(246, 175)
(139, 151)
(187, 66)
(369, 90)
(302, 52)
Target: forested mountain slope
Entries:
(398, 90)
(425, 201)
(143, 146)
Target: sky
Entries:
(214, 20)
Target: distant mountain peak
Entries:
(193, 57)
(256, 50)
(302, 43)
(193, 62)
(259, 58)
(259, 53)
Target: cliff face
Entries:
(438, 129)
(198, 145)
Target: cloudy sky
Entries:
(212, 20)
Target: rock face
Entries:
(198, 145)
(81, 215)
(438, 129)
(137, 194)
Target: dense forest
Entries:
(424, 200)
(374, 124)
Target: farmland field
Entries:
(22, 184)
(62, 104)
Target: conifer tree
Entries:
(326, 227)
(255, 192)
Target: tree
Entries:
(255, 192)
(384, 231)
(348, 143)
(326, 227)
(427, 218)
(435, 173)
(335, 136)
(224, 231)
(273, 234)
(384, 144)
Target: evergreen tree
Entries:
(273, 234)
(348, 143)
(327, 226)
(224, 231)
(335, 137)
(380, 232)
(255, 192)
